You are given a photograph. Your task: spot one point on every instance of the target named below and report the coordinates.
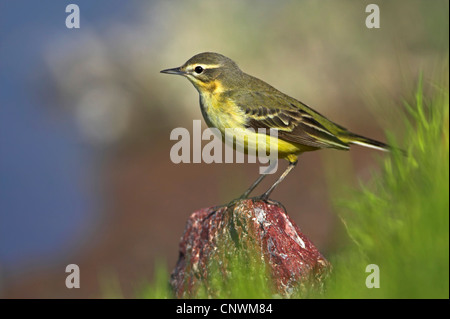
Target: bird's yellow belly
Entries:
(231, 122)
(267, 144)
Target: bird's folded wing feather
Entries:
(294, 124)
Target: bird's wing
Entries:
(290, 117)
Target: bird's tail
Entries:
(367, 142)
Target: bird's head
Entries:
(208, 72)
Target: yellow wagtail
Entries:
(230, 98)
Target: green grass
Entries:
(401, 221)
(398, 221)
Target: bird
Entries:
(231, 98)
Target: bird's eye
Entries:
(198, 69)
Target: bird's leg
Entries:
(253, 186)
(266, 195)
(258, 180)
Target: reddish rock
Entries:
(216, 233)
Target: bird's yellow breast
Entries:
(219, 111)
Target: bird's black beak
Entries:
(176, 71)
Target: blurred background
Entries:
(85, 120)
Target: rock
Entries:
(213, 235)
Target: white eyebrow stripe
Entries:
(206, 66)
